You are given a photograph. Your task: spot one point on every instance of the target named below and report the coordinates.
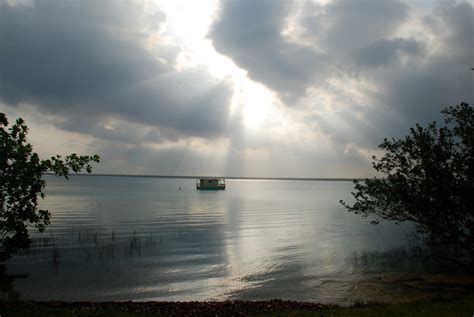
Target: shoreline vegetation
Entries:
(457, 306)
(310, 179)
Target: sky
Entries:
(261, 88)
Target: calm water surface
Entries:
(119, 238)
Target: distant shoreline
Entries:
(324, 179)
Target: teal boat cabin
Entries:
(210, 183)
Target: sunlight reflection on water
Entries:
(117, 238)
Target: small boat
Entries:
(209, 183)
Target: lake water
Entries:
(124, 238)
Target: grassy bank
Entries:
(456, 307)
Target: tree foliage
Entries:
(21, 182)
(428, 180)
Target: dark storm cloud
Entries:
(415, 80)
(89, 58)
(250, 33)
(410, 78)
(456, 23)
(351, 25)
(419, 91)
(387, 51)
(122, 132)
(140, 158)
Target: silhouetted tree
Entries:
(21, 181)
(428, 180)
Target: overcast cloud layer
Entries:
(336, 77)
(90, 59)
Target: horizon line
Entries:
(225, 177)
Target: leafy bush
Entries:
(21, 181)
(428, 180)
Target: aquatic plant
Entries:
(96, 245)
